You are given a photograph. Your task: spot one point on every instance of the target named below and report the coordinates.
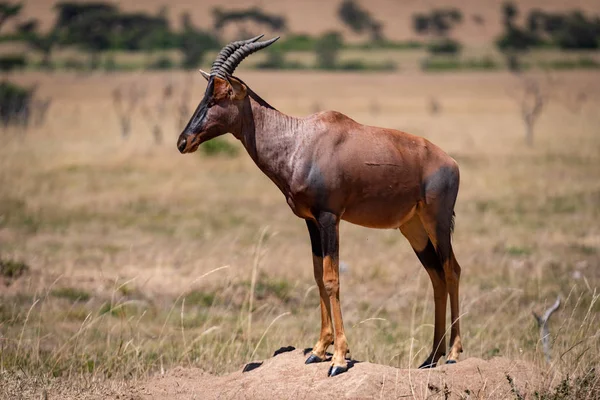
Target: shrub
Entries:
(485, 63)
(578, 33)
(275, 59)
(387, 44)
(432, 64)
(518, 39)
(327, 49)
(74, 64)
(194, 45)
(15, 104)
(297, 43)
(10, 62)
(12, 269)
(453, 64)
(444, 46)
(359, 65)
(110, 64)
(582, 62)
(162, 63)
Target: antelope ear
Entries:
(206, 75)
(238, 88)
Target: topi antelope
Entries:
(331, 168)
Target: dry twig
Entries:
(543, 325)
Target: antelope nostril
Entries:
(182, 145)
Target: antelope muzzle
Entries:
(188, 143)
(182, 144)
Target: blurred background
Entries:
(119, 256)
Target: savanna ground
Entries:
(142, 261)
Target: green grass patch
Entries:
(518, 250)
(14, 212)
(200, 298)
(566, 64)
(387, 44)
(71, 294)
(219, 147)
(442, 64)
(267, 287)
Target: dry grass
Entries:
(141, 259)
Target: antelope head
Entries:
(220, 110)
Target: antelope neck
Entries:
(272, 139)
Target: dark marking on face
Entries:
(197, 121)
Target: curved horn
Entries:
(238, 55)
(227, 50)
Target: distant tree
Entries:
(531, 100)
(327, 49)
(92, 32)
(71, 13)
(243, 17)
(155, 113)
(566, 30)
(577, 32)
(515, 39)
(359, 20)
(535, 20)
(194, 43)
(8, 10)
(509, 13)
(125, 102)
(43, 43)
(437, 24)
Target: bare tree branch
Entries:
(532, 100)
(125, 103)
(154, 114)
(543, 325)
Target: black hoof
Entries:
(427, 364)
(333, 371)
(313, 359)
(450, 361)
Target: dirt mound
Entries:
(285, 376)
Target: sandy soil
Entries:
(285, 376)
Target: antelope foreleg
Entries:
(326, 336)
(329, 230)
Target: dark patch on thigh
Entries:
(316, 183)
(443, 183)
(430, 258)
(315, 238)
